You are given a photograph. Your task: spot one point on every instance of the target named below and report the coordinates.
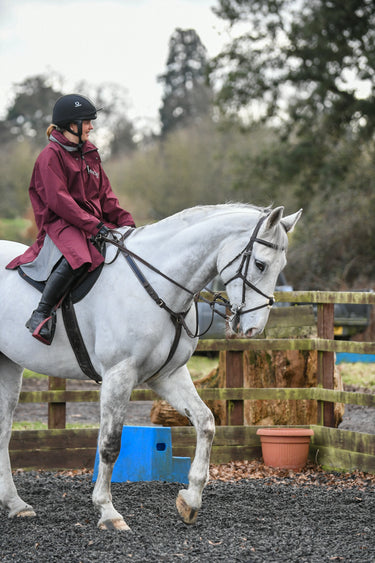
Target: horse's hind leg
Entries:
(179, 390)
(10, 385)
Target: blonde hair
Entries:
(50, 128)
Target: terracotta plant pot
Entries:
(286, 448)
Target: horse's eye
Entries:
(260, 265)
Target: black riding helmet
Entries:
(73, 108)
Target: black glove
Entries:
(103, 232)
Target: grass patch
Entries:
(200, 366)
(359, 374)
(28, 374)
(81, 425)
(26, 425)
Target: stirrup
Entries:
(49, 326)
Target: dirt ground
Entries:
(356, 417)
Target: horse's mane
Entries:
(188, 217)
(190, 214)
(223, 208)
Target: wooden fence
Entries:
(332, 448)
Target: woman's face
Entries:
(87, 126)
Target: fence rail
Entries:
(214, 394)
(319, 344)
(58, 447)
(326, 297)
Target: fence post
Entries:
(326, 362)
(234, 377)
(56, 411)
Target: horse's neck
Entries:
(188, 254)
(186, 246)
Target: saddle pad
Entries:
(78, 292)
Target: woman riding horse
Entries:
(73, 201)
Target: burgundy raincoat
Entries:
(71, 197)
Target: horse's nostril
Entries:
(235, 324)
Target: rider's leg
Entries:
(60, 280)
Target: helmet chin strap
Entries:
(78, 133)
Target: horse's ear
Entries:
(274, 217)
(290, 221)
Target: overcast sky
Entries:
(99, 41)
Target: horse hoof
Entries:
(188, 514)
(22, 511)
(113, 525)
(28, 513)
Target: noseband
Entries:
(243, 269)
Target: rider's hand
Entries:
(103, 232)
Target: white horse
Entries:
(129, 336)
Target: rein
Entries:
(178, 318)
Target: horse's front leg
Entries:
(115, 395)
(179, 390)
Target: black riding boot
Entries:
(41, 324)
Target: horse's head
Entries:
(249, 267)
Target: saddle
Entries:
(76, 294)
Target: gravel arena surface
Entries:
(249, 513)
(269, 516)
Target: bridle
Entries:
(178, 318)
(243, 269)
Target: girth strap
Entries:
(176, 340)
(76, 340)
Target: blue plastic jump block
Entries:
(146, 455)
